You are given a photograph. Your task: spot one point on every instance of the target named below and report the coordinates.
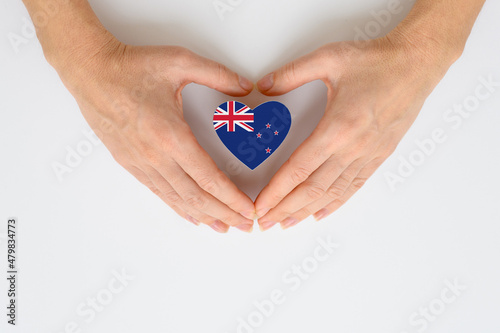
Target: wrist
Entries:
(63, 48)
(437, 31)
(77, 54)
(72, 36)
(427, 46)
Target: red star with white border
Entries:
(268, 150)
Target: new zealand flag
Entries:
(252, 135)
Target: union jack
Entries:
(228, 116)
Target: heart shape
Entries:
(252, 135)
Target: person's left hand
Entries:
(375, 91)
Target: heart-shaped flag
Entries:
(252, 135)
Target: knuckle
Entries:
(276, 197)
(289, 72)
(299, 175)
(365, 141)
(358, 183)
(120, 159)
(159, 138)
(324, 145)
(196, 201)
(347, 176)
(328, 148)
(154, 189)
(172, 197)
(315, 191)
(181, 55)
(352, 126)
(212, 183)
(344, 50)
(389, 150)
(233, 203)
(285, 211)
(151, 156)
(335, 191)
(145, 147)
(340, 201)
(222, 72)
(208, 184)
(325, 53)
(306, 211)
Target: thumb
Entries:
(217, 76)
(295, 74)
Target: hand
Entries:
(131, 97)
(375, 91)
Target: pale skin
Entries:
(131, 97)
(375, 91)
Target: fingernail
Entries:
(219, 226)
(267, 225)
(321, 214)
(245, 227)
(289, 222)
(263, 211)
(192, 220)
(266, 83)
(249, 214)
(246, 83)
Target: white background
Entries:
(396, 248)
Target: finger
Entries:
(295, 74)
(202, 169)
(355, 186)
(311, 190)
(142, 177)
(332, 135)
(198, 199)
(216, 76)
(339, 202)
(166, 192)
(336, 190)
(145, 180)
(347, 180)
(169, 194)
(304, 161)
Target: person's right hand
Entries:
(131, 97)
